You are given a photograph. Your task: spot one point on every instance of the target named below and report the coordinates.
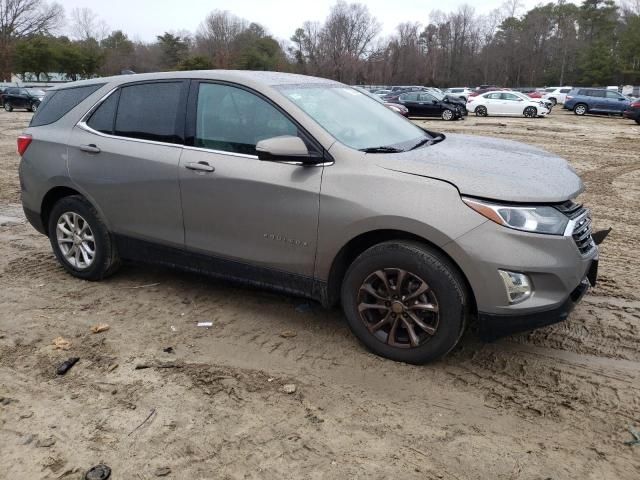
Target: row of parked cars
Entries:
(454, 103)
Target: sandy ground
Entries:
(553, 404)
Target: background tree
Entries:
(174, 49)
(21, 19)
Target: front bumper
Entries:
(632, 114)
(492, 326)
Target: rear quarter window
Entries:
(58, 103)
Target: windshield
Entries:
(36, 92)
(435, 93)
(353, 118)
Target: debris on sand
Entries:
(205, 324)
(289, 388)
(636, 438)
(46, 442)
(168, 350)
(151, 414)
(100, 327)
(99, 472)
(61, 343)
(288, 334)
(162, 471)
(65, 366)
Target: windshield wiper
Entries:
(381, 149)
(428, 141)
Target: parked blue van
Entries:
(596, 100)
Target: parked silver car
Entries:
(313, 188)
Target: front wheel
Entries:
(405, 302)
(530, 112)
(481, 111)
(80, 239)
(8, 107)
(580, 109)
(447, 114)
(34, 107)
(553, 101)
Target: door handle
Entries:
(200, 166)
(91, 148)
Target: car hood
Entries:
(491, 168)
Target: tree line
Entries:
(557, 43)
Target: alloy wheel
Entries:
(75, 240)
(447, 115)
(580, 110)
(398, 308)
(481, 111)
(530, 112)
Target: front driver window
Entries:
(234, 120)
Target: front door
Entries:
(512, 104)
(250, 214)
(430, 105)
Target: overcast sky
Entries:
(144, 19)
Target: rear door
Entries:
(493, 102)
(410, 100)
(257, 217)
(597, 100)
(125, 156)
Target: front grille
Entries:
(582, 228)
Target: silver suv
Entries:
(313, 188)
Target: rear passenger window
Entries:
(58, 103)
(582, 92)
(595, 93)
(102, 119)
(149, 111)
(234, 120)
(565, 90)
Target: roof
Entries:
(240, 76)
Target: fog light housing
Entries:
(517, 285)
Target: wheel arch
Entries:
(50, 199)
(358, 244)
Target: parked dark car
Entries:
(396, 107)
(18, 97)
(3, 90)
(596, 100)
(423, 104)
(633, 112)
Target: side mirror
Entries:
(434, 101)
(286, 148)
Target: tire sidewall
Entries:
(103, 258)
(438, 274)
(581, 106)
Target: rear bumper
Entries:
(492, 326)
(34, 219)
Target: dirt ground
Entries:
(553, 404)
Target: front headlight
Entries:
(538, 219)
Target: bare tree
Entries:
(216, 35)
(21, 19)
(85, 25)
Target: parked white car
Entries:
(460, 92)
(506, 103)
(556, 94)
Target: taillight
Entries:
(24, 141)
(569, 97)
(636, 104)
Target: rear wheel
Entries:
(447, 114)
(405, 302)
(8, 107)
(530, 112)
(481, 111)
(80, 239)
(580, 109)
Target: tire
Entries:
(8, 107)
(481, 111)
(422, 266)
(553, 101)
(580, 109)
(638, 121)
(105, 260)
(33, 107)
(448, 114)
(530, 112)
(464, 99)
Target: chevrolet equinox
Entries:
(308, 186)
